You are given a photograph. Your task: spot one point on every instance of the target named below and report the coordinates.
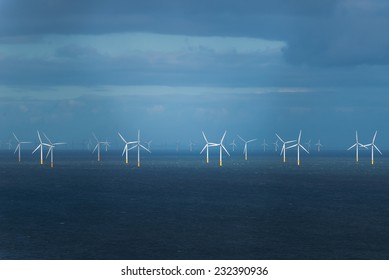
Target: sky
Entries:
(175, 68)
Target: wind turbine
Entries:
(283, 150)
(125, 150)
(9, 143)
(298, 145)
(40, 146)
(191, 144)
(264, 144)
(98, 146)
(373, 146)
(356, 145)
(51, 149)
(106, 144)
(245, 146)
(139, 145)
(18, 147)
(207, 145)
(233, 144)
(319, 145)
(276, 145)
(221, 146)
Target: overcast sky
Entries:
(176, 67)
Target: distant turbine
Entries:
(221, 146)
(264, 144)
(298, 145)
(106, 144)
(319, 145)
(9, 143)
(276, 145)
(373, 146)
(245, 146)
(149, 144)
(233, 145)
(139, 145)
(356, 145)
(40, 146)
(98, 145)
(125, 150)
(51, 149)
(283, 150)
(18, 147)
(191, 144)
(207, 145)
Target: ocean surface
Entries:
(175, 206)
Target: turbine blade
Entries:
(377, 149)
(47, 138)
(280, 138)
(252, 140)
(94, 136)
(16, 137)
(203, 148)
(17, 147)
(133, 147)
(223, 136)
(375, 134)
(352, 146)
(241, 139)
(282, 150)
(205, 138)
(39, 136)
(36, 148)
(95, 147)
(122, 138)
(145, 148)
(50, 150)
(302, 147)
(225, 150)
(290, 147)
(124, 150)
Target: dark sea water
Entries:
(177, 207)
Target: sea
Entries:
(178, 207)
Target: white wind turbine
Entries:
(284, 143)
(264, 144)
(18, 147)
(245, 146)
(298, 145)
(233, 144)
(373, 146)
(207, 145)
(319, 145)
(125, 150)
(51, 149)
(356, 145)
(98, 146)
(221, 146)
(40, 146)
(139, 145)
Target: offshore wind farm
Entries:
(179, 205)
(194, 130)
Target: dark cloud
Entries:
(328, 33)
